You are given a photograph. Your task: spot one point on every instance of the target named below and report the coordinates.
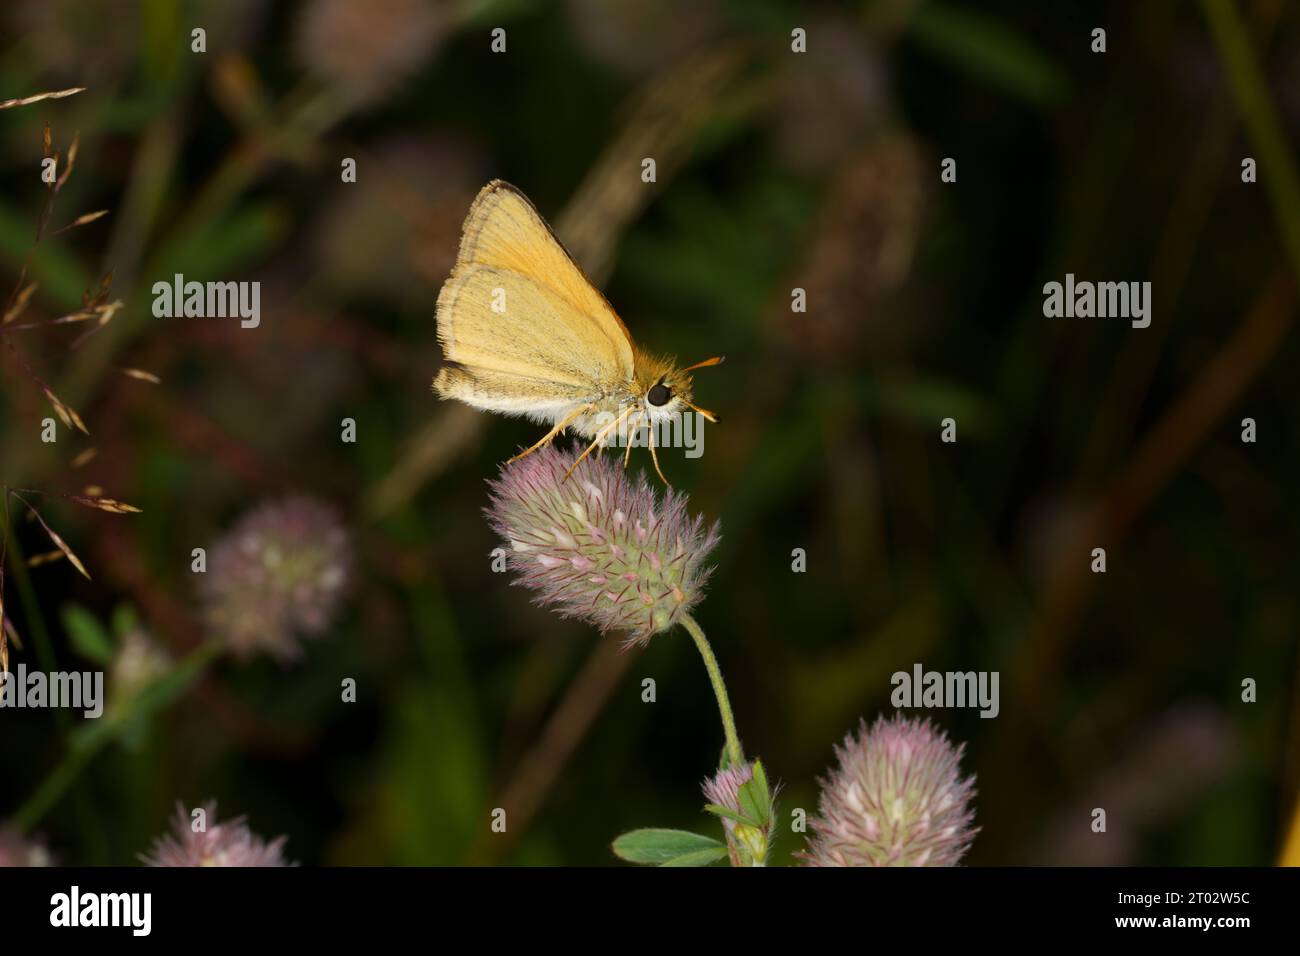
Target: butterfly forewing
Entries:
(519, 322)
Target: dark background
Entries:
(775, 170)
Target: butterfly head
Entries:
(667, 390)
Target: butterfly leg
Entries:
(550, 436)
(655, 457)
(631, 431)
(603, 432)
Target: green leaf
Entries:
(730, 814)
(751, 803)
(125, 620)
(699, 857)
(53, 266)
(662, 847)
(760, 778)
(990, 50)
(755, 799)
(911, 399)
(95, 733)
(224, 243)
(87, 634)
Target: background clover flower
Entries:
(367, 49)
(895, 799)
(220, 844)
(137, 663)
(281, 572)
(601, 546)
(19, 850)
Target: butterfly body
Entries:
(525, 333)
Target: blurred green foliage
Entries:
(782, 170)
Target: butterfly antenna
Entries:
(716, 360)
(702, 411)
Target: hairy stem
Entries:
(734, 753)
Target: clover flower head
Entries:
(600, 546)
(746, 845)
(280, 573)
(230, 843)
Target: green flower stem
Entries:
(1277, 171)
(734, 753)
(90, 740)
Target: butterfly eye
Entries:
(659, 394)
